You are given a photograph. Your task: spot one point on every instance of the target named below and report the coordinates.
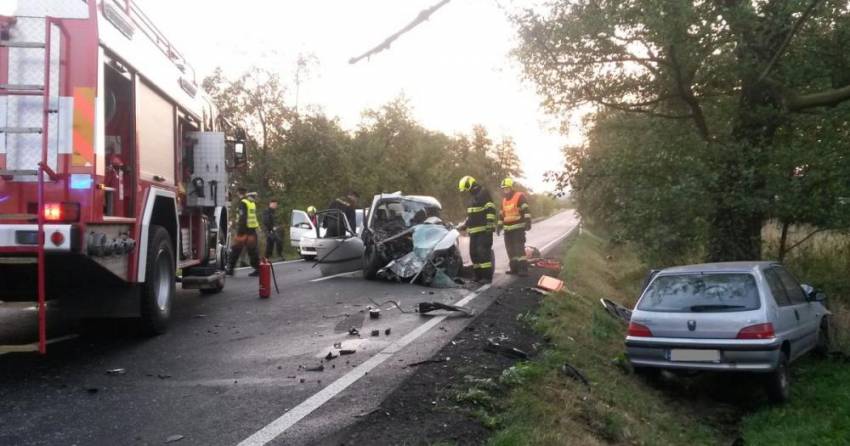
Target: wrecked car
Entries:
(404, 239)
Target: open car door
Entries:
(339, 249)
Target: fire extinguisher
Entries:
(266, 277)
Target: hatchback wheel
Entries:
(779, 381)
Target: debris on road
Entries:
(174, 438)
(548, 264)
(375, 313)
(538, 291)
(115, 372)
(163, 376)
(376, 332)
(395, 304)
(574, 373)
(337, 316)
(532, 253)
(330, 356)
(318, 368)
(616, 310)
(354, 332)
(387, 331)
(549, 283)
(347, 352)
(493, 346)
(427, 307)
(428, 361)
(199, 316)
(92, 390)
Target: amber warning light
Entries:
(61, 212)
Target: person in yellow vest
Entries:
(515, 220)
(246, 232)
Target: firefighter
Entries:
(311, 214)
(480, 224)
(246, 233)
(347, 205)
(515, 220)
(273, 241)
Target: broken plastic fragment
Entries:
(376, 332)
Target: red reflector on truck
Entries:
(57, 238)
(760, 331)
(636, 329)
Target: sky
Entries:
(455, 69)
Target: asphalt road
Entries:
(232, 370)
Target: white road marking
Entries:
(297, 413)
(348, 274)
(275, 263)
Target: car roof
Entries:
(424, 199)
(728, 267)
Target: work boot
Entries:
(254, 273)
(511, 272)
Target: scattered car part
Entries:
(427, 307)
(493, 346)
(174, 438)
(354, 332)
(427, 361)
(574, 373)
(375, 313)
(318, 368)
(114, 372)
(347, 352)
(387, 332)
(547, 264)
(549, 283)
(376, 332)
(330, 356)
(616, 310)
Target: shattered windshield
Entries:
(701, 293)
(403, 212)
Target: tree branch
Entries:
(787, 41)
(801, 241)
(826, 98)
(424, 15)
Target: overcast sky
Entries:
(455, 69)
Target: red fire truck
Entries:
(114, 166)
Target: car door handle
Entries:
(797, 315)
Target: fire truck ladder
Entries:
(42, 168)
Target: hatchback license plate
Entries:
(685, 355)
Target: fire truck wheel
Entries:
(159, 287)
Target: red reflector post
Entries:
(57, 238)
(636, 329)
(760, 331)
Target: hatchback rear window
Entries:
(701, 293)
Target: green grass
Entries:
(550, 408)
(818, 413)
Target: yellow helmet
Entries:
(466, 183)
(311, 209)
(507, 182)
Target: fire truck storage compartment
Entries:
(120, 156)
(208, 184)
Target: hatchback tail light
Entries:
(640, 330)
(760, 331)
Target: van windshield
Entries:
(701, 293)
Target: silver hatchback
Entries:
(737, 316)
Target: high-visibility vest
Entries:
(511, 213)
(251, 219)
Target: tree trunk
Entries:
(783, 241)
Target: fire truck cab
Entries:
(114, 165)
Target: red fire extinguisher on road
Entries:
(266, 277)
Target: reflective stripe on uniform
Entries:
(514, 227)
(483, 265)
(519, 259)
(479, 229)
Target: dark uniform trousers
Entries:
(481, 251)
(515, 245)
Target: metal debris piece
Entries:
(318, 368)
(330, 356)
(376, 332)
(115, 372)
(337, 345)
(92, 390)
(387, 331)
(616, 310)
(574, 373)
(493, 346)
(347, 352)
(163, 376)
(427, 361)
(427, 307)
(174, 438)
(548, 264)
(374, 313)
(354, 332)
